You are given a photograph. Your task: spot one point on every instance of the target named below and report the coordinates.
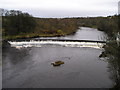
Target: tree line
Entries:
(107, 24)
(56, 26)
(16, 24)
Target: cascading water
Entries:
(42, 43)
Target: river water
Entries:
(31, 67)
(83, 33)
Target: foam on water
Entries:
(32, 43)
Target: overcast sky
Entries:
(63, 8)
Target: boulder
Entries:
(57, 63)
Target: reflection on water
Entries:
(31, 67)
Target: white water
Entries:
(33, 43)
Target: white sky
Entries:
(63, 8)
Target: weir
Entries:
(67, 40)
(24, 43)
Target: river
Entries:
(31, 67)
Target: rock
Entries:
(57, 63)
(5, 44)
(103, 54)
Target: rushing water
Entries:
(31, 67)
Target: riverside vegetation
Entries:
(111, 26)
(17, 24)
(22, 25)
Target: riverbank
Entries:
(27, 36)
